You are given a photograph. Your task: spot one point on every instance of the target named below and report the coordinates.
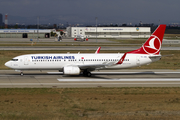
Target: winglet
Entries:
(97, 51)
(122, 59)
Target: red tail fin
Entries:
(153, 45)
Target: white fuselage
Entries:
(59, 61)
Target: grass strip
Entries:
(89, 103)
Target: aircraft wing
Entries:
(168, 55)
(96, 66)
(104, 65)
(91, 67)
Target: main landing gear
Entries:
(21, 73)
(87, 73)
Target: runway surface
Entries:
(119, 78)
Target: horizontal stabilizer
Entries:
(168, 55)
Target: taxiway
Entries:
(119, 78)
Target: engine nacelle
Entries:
(75, 39)
(71, 70)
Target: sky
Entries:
(85, 11)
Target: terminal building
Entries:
(24, 33)
(109, 32)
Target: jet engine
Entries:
(71, 70)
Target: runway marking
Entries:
(55, 72)
(119, 80)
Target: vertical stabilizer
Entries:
(153, 45)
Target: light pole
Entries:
(96, 29)
(38, 28)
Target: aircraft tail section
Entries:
(153, 45)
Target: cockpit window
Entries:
(14, 59)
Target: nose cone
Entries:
(8, 64)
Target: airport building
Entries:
(109, 32)
(24, 33)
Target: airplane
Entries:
(81, 37)
(75, 64)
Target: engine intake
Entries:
(71, 70)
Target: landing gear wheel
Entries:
(21, 73)
(87, 73)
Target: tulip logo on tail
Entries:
(153, 46)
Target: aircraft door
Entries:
(138, 60)
(26, 62)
